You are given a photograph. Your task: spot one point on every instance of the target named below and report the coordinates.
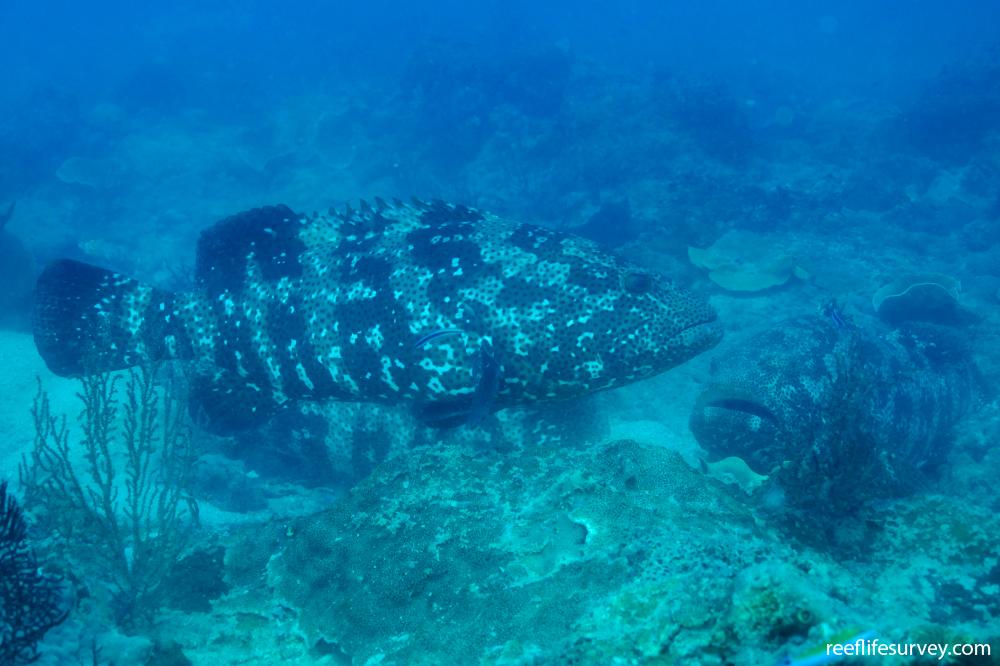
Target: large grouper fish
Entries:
(839, 414)
(455, 311)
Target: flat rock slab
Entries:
(617, 553)
(447, 556)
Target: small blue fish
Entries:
(434, 335)
(833, 310)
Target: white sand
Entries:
(22, 367)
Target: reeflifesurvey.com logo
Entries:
(871, 647)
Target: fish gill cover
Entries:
(391, 333)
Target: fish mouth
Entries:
(688, 342)
(732, 422)
(703, 334)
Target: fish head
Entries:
(766, 389)
(583, 319)
(645, 324)
(740, 421)
(660, 322)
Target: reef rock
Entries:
(576, 556)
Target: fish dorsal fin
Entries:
(441, 213)
(367, 218)
(351, 220)
(269, 235)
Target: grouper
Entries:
(455, 311)
(838, 413)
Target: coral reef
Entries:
(954, 114)
(860, 499)
(451, 555)
(614, 553)
(99, 174)
(713, 117)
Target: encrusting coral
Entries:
(742, 261)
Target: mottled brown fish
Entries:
(454, 310)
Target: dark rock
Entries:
(195, 581)
(955, 112)
(167, 653)
(225, 483)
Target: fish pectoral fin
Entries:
(225, 404)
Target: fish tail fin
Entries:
(88, 319)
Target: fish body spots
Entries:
(427, 302)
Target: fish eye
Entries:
(637, 283)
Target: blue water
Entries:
(827, 157)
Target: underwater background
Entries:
(826, 175)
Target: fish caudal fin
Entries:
(87, 319)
